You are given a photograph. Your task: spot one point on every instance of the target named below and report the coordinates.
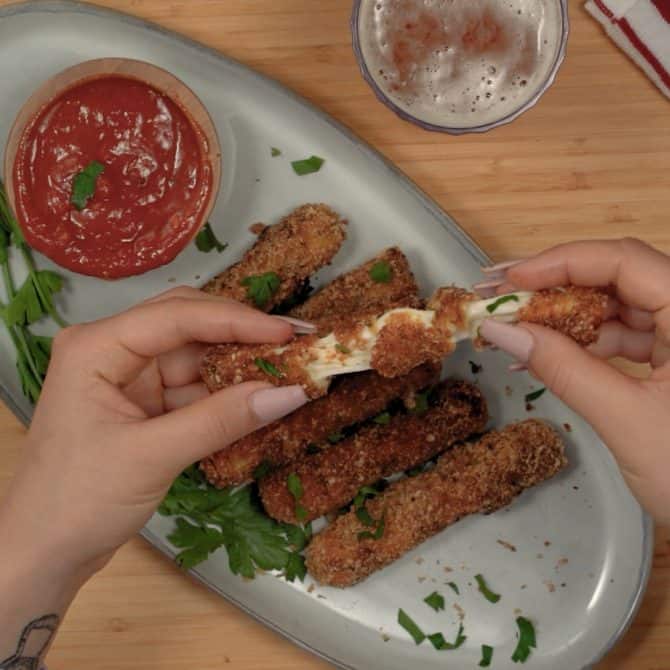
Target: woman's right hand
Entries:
(631, 415)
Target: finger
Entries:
(201, 428)
(590, 386)
(180, 396)
(181, 366)
(640, 273)
(116, 348)
(181, 292)
(616, 339)
(637, 319)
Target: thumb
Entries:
(197, 430)
(590, 386)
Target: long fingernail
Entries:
(490, 284)
(272, 404)
(299, 327)
(514, 340)
(517, 367)
(499, 267)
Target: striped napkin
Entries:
(642, 29)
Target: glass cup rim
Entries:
(460, 130)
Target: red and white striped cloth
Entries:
(642, 29)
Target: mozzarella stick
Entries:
(351, 400)
(402, 338)
(472, 478)
(382, 283)
(292, 250)
(332, 478)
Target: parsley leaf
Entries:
(294, 486)
(381, 272)
(260, 288)
(454, 587)
(307, 165)
(382, 419)
(378, 532)
(485, 590)
(267, 368)
(206, 240)
(197, 542)
(526, 641)
(534, 395)
(84, 183)
(295, 567)
(275, 152)
(342, 349)
(487, 655)
(364, 517)
(408, 624)
(420, 402)
(363, 493)
(438, 641)
(435, 600)
(33, 299)
(262, 469)
(501, 301)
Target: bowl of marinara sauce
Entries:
(112, 167)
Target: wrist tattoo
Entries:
(33, 643)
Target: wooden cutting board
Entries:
(591, 160)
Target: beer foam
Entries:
(460, 63)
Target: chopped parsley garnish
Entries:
(406, 622)
(363, 493)
(294, 486)
(364, 517)
(262, 469)
(535, 395)
(475, 368)
(454, 587)
(435, 600)
(378, 533)
(260, 288)
(382, 419)
(334, 438)
(526, 641)
(381, 272)
(275, 152)
(33, 299)
(209, 518)
(438, 641)
(342, 349)
(307, 165)
(267, 367)
(206, 240)
(487, 655)
(421, 402)
(501, 301)
(84, 184)
(295, 567)
(485, 590)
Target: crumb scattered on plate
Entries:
(507, 545)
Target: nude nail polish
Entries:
(274, 403)
(501, 267)
(299, 327)
(514, 340)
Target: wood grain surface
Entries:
(590, 161)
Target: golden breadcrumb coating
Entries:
(332, 478)
(355, 296)
(479, 477)
(295, 248)
(352, 399)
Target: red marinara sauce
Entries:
(149, 200)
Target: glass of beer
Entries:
(459, 66)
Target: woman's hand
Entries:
(103, 447)
(631, 415)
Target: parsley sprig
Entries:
(209, 519)
(32, 301)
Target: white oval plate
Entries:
(583, 546)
